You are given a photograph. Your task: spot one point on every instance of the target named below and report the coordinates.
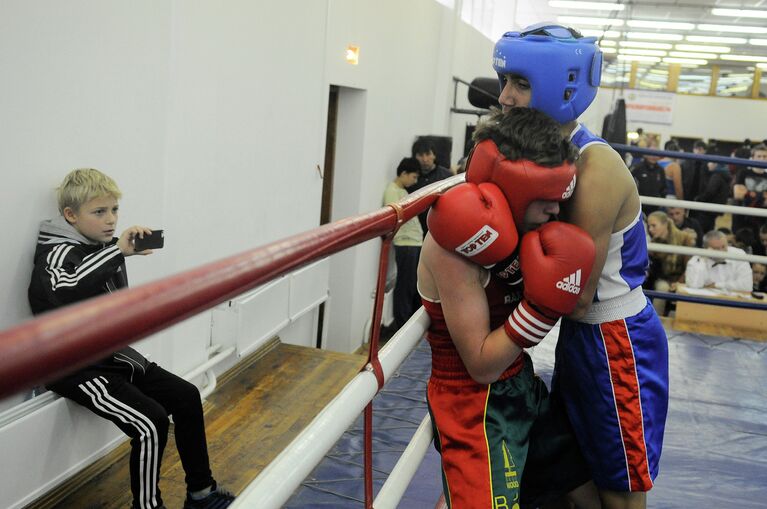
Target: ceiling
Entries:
(695, 12)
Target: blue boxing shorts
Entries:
(613, 379)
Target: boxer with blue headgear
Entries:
(611, 369)
(562, 67)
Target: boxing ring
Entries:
(715, 451)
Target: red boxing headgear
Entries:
(522, 181)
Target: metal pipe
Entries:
(688, 155)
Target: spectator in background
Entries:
(666, 269)
(683, 222)
(705, 272)
(673, 171)
(762, 247)
(425, 154)
(759, 272)
(692, 172)
(750, 190)
(715, 189)
(78, 258)
(745, 240)
(728, 235)
(407, 249)
(650, 178)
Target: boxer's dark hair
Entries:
(525, 133)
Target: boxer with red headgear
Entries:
(502, 442)
(611, 365)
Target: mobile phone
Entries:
(154, 240)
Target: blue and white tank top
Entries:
(627, 261)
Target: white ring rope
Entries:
(277, 482)
(709, 207)
(710, 253)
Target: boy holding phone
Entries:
(77, 258)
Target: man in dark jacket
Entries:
(650, 179)
(424, 153)
(715, 189)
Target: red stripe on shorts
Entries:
(460, 420)
(625, 383)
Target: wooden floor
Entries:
(249, 419)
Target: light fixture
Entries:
(688, 54)
(683, 61)
(638, 58)
(694, 77)
(646, 45)
(599, 34)
(578, 20)
(658, 71)
(602, 44)
(352, 54)
(651, 85)
(715, 39)
(742, 29)
(739, 13)
(762, 66)
(744, 58)
(661, 25)
(608, 50)
(597, 6)
(698, 47)
(758, 42)
(649, 52)
(654, 36)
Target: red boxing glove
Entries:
(474, 221)
(556, 262)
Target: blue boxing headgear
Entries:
(563, 68)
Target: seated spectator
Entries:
(650, 179)
(666, 269)
(745, 240)
(728, 235)
(759, 272)
(77, 258)
(705, 272)
(672, 171)
(683, 221)
(762, 246)
(750, 190)
(692, 171)
(715, 189)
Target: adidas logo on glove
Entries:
(570, 188)
(571, 283)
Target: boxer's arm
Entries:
(604, 185)
(485, 353)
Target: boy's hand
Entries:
(125, 242)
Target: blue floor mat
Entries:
(714, 452)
